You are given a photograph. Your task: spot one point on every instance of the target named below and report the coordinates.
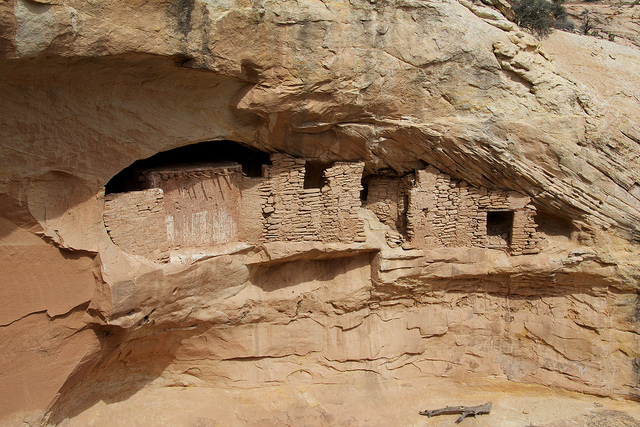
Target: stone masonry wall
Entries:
(294, 213)
(341, 203)
(387, 198)
(203, 206)
(135, 222)
(447, 213)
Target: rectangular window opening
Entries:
(499, 227)
(314, 174)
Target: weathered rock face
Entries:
(395, 89)
(607, 20)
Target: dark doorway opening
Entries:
(499, 226)
(364, 193)
(314, 174)
(200, 154)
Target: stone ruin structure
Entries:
(208, 205)
(436, 212)
(325, 213)
(194, 206)
(447, 213)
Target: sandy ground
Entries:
(360, 399)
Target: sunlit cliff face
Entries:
(411, 190)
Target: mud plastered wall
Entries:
(202, 204)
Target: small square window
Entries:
(499, 226)
(314, 174)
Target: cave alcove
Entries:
(199, 154)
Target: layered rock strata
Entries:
(378, 91)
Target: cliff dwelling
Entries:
(197, 205)
(317, 213)
(191, 206)
(439, 212)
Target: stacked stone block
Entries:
(387, 198)
(294, 213)
(446, 213)
(524, 239)
(341, 199)
(135, 222)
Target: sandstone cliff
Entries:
(385, 90)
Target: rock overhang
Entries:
(328, 82)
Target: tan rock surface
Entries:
(618, 18)
(90, 330)
(37, 277)
(358, 399)
(39, 355)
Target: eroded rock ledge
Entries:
(441, 196)
(259, 285)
